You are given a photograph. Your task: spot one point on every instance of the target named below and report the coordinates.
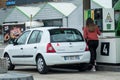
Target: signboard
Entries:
(10, 2)
(108, 20)
(12, 32)
(105, 48)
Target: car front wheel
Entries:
(10, 65)
(41, 65)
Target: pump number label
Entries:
(105, 48)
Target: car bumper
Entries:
(66, 58)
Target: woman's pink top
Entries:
(91, 35)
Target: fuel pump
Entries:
(104, 18)
(108, 51)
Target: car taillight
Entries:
(86, 49)
(50, 49)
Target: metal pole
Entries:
(31, 21)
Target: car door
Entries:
(31, 47)
(17, 56)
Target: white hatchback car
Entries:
(48, 46)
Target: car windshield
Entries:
(65, 35)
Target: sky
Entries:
(104, 3)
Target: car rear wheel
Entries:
(10, 65)
(41, 65)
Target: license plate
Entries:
(71, 58)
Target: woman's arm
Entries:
(98, 31)
(85, 33)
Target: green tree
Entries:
(114, 2)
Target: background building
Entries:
(9, 3)
(2, 3)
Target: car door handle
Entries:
(21, 48)
(35, 47)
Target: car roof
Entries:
(47, 28)
(43, 28)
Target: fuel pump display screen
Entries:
(98, 18)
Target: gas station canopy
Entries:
(28, 11)
(103, 3)
(64, 8)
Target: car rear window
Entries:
(65, 35)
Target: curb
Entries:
(15, 76)
(114, 68)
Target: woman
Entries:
(91, 32)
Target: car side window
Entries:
(35, 37)
(39, 37)
(22, 39)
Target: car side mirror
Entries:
(13, 41)
(10, 42)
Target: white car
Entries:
(48, 46)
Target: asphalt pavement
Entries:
(68, 74)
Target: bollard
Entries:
(3, 65)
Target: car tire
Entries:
(41, 65)
(10, 65)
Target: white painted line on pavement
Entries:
(1, 48)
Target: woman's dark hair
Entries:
(89, 21)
